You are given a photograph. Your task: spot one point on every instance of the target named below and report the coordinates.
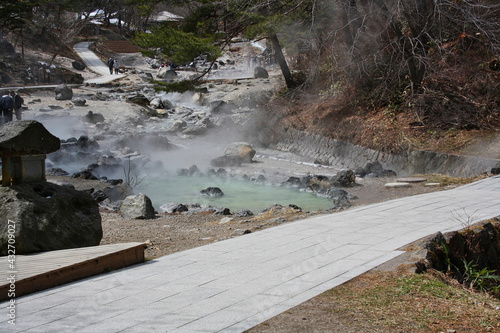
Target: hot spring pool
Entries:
(238, 194)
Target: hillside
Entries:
(457, 110)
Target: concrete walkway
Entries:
(95, 64)
(233, 285)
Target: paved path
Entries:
(235, 284)
(95, 64)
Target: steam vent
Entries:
(23, 148)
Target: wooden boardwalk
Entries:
(44, 270)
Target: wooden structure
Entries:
(45, 270)
(23, 148)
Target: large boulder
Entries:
(167, 74)
(137, 207)
(63, 92)
(344, 178)
(242, 149)
(44, 217)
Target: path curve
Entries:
(95, 64)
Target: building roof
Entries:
(27, 137)
(165, 16)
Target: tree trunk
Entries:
(282, 61)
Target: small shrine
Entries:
(23, 148)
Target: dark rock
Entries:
(98, 195)
(222, 211)
(340, 198)
(137, 207)
(93, 118)
(260, 73)
(495, 171)
(84, 174)
(244, 213)
(180, 208)
(344, 178)
(294, 182)
(48, 217)
(295, 207)
(193, 170)
(63, 92)
(78, 65)
(79, 102)
(212, 192)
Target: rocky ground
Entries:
(168, 233)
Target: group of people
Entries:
(113, 65)
(10, 104)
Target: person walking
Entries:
(6, 107)
(117, 66)
(111, 63)
(18, 104)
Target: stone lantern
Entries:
(23, 148)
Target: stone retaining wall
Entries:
(350, 156)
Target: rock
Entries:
(260, 73)
(222, 211)
(93, 118)
(63, 92)
(225, 220)
(244, 213)
(221, 107)
(137, 207)
(138, 99)
(178, 126)
(242, 149)
(180, 208)
(294, 182)
(78, 102)
(56, 172)
(340, 198)
(78, 65)
(48, 217)
(344, 178)
(212, 192)
(239, 232)
(226, 161)
(169, 75)
(98, 195)
(261, 179)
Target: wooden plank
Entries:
(41, 271)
